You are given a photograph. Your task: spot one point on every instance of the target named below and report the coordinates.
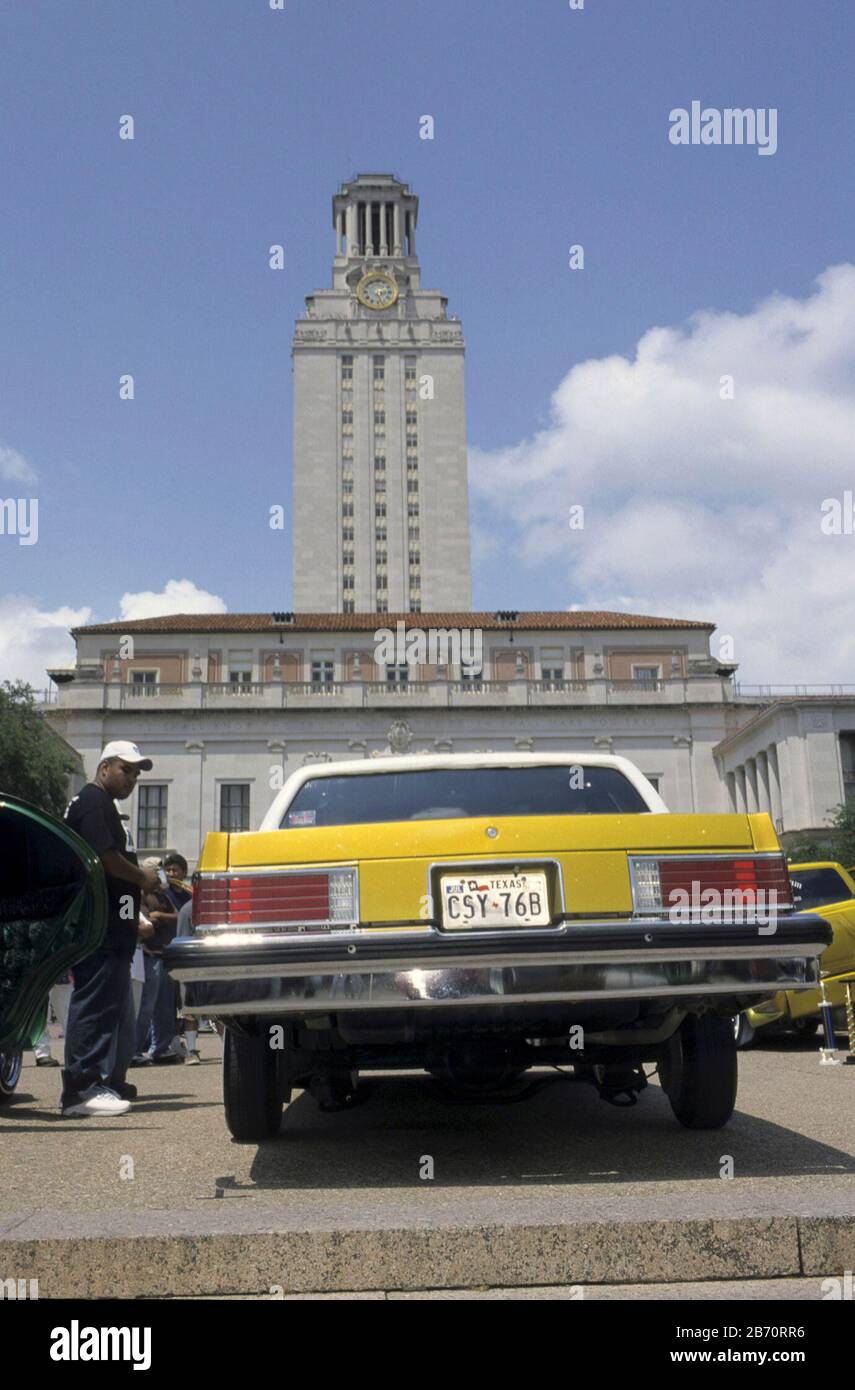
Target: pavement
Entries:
(554, 1196)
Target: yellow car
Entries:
(476, 915)
(827, 888)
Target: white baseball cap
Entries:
(128, 752)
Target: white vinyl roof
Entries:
(422, 762)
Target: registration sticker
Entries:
(494, 900)
(301, 817)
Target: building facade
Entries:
(795, 758)
(227, 705)
(380, 497)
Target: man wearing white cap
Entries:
(102, 981)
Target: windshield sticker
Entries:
(301, 817)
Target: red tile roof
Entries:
(564, 621)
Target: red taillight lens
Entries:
(661, 881)
(273, 899)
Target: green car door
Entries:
(53, 912)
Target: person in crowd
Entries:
(92, 1085)
(59, 999)
(180, 894)
(155, 1028)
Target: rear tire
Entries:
(10, 1074)
(698, 1071)
(251, 1094)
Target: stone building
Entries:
(228, 704)
(380, 499)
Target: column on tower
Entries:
(396, 228)
(384, 245)
(351, 228)
(368, 247)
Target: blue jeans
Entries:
(163, 1022)
(156, 1018)
(153, 971)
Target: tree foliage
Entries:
(34, 762)
(837, 843)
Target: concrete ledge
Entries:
(432, 1256)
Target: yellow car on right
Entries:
(826, 888)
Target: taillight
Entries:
(321, 897)
(660, 882)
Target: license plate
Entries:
(494, 900)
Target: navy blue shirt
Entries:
(93, 815)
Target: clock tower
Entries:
(380, 502)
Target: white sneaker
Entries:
(97, 1100)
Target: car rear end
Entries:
(585, 937)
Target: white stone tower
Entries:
(380, 502)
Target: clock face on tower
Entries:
(377, 290)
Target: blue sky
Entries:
(150, 257)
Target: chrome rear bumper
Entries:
(607, 960)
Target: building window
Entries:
(381, 557)
(415, 557)
(654, 781)
(234, 806)
(347, 605)
(382, 606)
(412, 509)
(415, 606)
(380, 509)
(410, 371)
(552, 677)
(347, 533)
(322, 673)
(380, 533)
(380, 484)
(151, 816)
(347, 368)
(240, 675)
(380, 421)
(413, 532)
(380, 463)
(347, 582)
(397, 675)
(347, 509)
(347, 487)
(143, 682)
(646, 675)
(471, 676)
(379, 370)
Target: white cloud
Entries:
(32, 639)
(177, 596)
(697, 506)
(14, 467)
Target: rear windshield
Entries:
(816, 887)
(441, 793)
